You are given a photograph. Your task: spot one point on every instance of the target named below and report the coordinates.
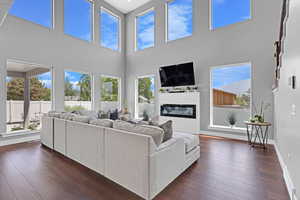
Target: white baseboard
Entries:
(230, 136)
(286, 175)
(19, 139)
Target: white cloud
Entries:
(180, 18)
(146, 30)
(146, 37)
(47, 83)
(75, 85)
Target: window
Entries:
(37, 11)
(78, 19)
(226, 12)
(230, 95)
(110, 93)
(25, 109)
(145, 97)
(145, 24)
(179, 19)
(109, 29)
(77, 91)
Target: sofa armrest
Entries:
(166, 144)
(166, 164)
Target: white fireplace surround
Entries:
(186, 125)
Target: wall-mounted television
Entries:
(177, 75)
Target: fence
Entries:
(15, 109)
(220, 115)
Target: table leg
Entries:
(248, 134)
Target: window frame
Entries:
(211, 117)
(52, 17)
(136, 104)
(136, 28)
(52, 90)
(211, 28)
(92, 84)
(167, 22)
(92, 28)
(119, 88)
(119, 28)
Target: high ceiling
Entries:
(127, 6)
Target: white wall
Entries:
(26, 41)
(249, 41)
(287, 123)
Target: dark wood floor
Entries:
(227, 170)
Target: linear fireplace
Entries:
(178, 110)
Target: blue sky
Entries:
(45, 78)
(77, 19)
(145, 30)
(109, 30)
(226, 12)
(74, 78)
(227, 75)
(38, 11)
(180, 19)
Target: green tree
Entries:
(69, 90)
(109, 94)
(38, 90)
(15, 89)
(85, 87)
(145, 89)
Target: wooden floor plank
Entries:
(227, 170)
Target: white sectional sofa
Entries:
(130, 159)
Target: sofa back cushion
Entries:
(155, 132)
(68, 116)
(102, 122)
(83, 119)
(89, 113)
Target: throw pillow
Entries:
(168, 130)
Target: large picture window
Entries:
(231, 95)
(110, 93)
(110, 30)
(145, 30)
(226, 12)
(78, 18)
(78, 95)
(37, 11)
(145, 104)
(179, 19)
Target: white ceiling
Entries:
(15, 66)
(127, 6)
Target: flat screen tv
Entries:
(177, 75)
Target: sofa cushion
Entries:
(89, 113)
(83, 119)
(168, 130)
(102, 122)
(191, 141)
(155, 132)
(68, 116)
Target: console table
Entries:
(258, 131)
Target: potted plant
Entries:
(231, 118)
(259, 115)
(145, 116)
